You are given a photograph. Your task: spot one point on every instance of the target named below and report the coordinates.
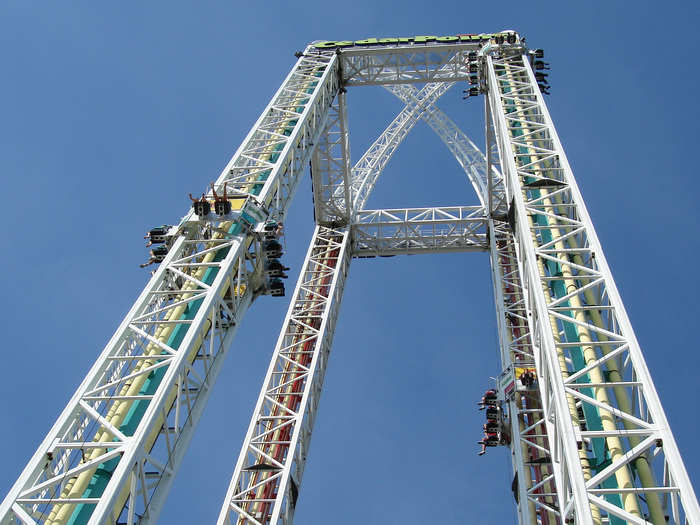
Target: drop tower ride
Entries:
(575, 402)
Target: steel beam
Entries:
(411, 231)
(534, 484)
(422, 63)
(330, 169)
(266, 480)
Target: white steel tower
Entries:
(575, 403)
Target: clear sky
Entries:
(111, 113)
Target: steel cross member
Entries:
(334, 184)
(330, 168)
(406, 65)
(419, 230)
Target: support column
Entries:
(266, 480)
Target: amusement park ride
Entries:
(575, 402)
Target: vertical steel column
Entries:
(590, 441)
(534, 484)
(330, 168)
(267, 476)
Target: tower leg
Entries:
(265, 483)
(612, 452)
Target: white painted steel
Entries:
(554, 231)
(525, 408)
(419, 230)
(420, 63)
(266, 480)
(265, 170)
(330, 168)
(534, 486)
(537, 497)
(331, 193)
(536, 493)
(579, 340)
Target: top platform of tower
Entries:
(469, 40)
(417, 59)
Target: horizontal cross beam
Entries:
(410, 231)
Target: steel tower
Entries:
(589, 440)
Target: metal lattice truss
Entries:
(330, 168)
(113, 451)
(132, 417)
(269, 470)
(591, 444)
(613, 454)
(419, 230)
(535, 483)
(406, 65)
(269, 162)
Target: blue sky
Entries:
(112, 113)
